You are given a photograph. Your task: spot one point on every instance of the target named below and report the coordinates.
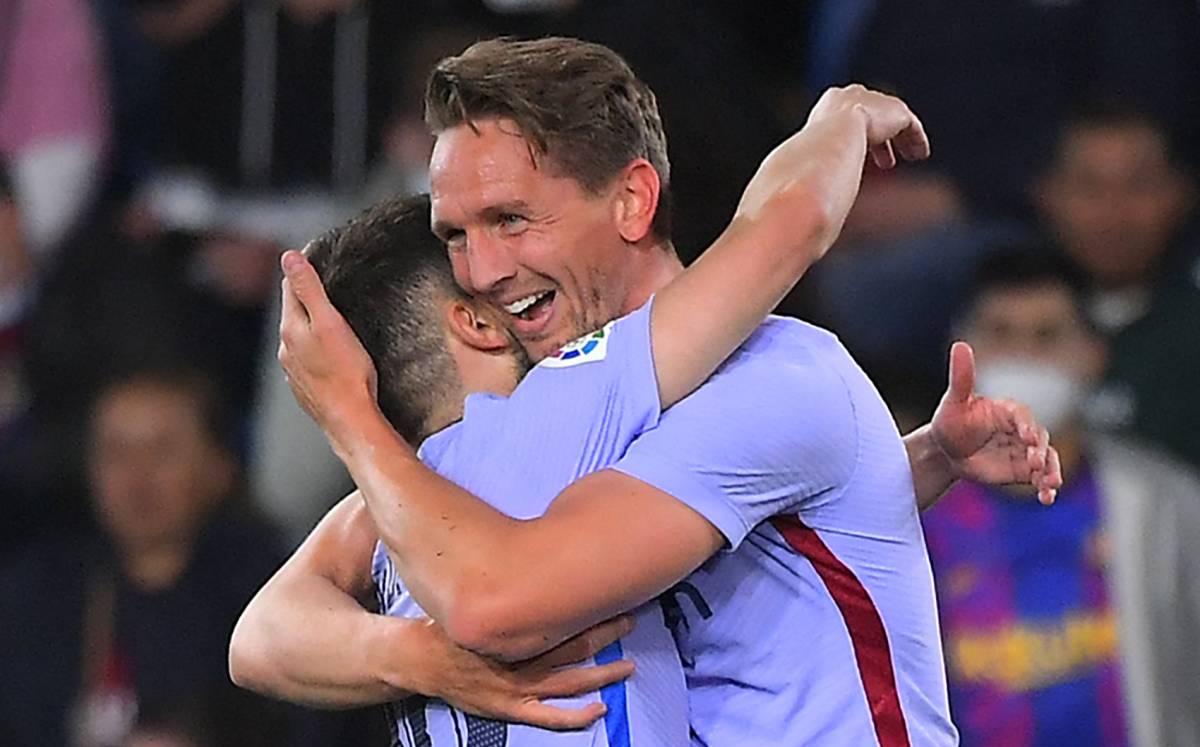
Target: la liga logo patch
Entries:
(586, 349)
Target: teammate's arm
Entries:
(306, 638)
(510, 588)
(788, 217)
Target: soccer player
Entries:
(614, 383)
(496, 200)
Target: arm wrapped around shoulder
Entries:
(773, 429)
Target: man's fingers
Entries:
(1042, 448)
(567, 682)
(1021, 423)
(293, 319)
(1051, 480)
(962, 373)
(1036, 454)
(883, 156)
(559, 719)
(586, 644)
(912, 143)
(293, 312)
(304, 282)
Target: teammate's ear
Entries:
(637, 200)
(475, 329)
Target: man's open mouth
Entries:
(531, 307)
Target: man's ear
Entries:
(475, 329)
(638, 188)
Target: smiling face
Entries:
(548, 254)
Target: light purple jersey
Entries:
(573, 414)
(818, 625)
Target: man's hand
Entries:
(995, 442)
(328, 369)
(515, 692)
(803, 190)
(891, 126)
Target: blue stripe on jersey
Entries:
(616, 720)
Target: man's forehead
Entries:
(489, 147)
(1041, 302)
(1094, 148)
(470, 172)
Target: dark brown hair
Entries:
(386, 272)
(576, 102)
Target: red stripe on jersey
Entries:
(862, 619)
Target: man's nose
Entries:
(490, 262)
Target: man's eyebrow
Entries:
(488, 214)
(442, 228)
(510, 206)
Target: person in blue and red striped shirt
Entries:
(1076, 625)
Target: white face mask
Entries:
(1051, 392)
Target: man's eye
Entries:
(511, 219)
(454, 239)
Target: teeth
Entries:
(521, 304)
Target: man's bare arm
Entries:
(510, 588)
(789, 215)
(306, 638)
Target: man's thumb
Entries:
(302, 277)
(962, 373)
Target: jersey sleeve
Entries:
(759, 438)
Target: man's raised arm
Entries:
(789, 215)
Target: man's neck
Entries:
(661, 265)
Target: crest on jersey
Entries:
(592, 347)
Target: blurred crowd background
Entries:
(156, 157)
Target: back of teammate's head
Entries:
(388, 275)
(576, 102)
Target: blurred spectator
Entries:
(1077, 624)
(127, 293)
(990, 80)
(271, 94)
(186, 724)
(54, 126)
(141, 616)
(14, 279)
(294, 473)
(899, 272)
(1116, 200)
(406, 143)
